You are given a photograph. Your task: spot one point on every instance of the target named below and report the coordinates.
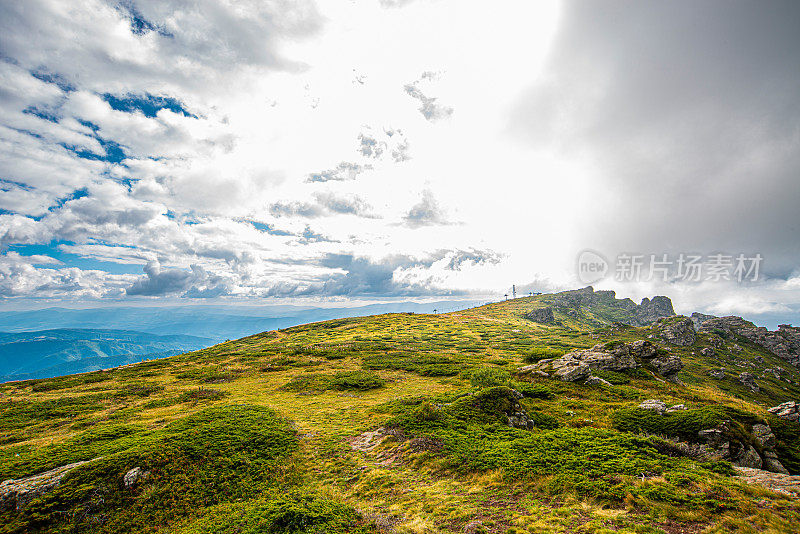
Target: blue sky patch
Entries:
(147, 104)
(45, 114)
(74, 260)
(139, 24)
(55, 79)
(262, 227)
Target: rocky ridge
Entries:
(578, 365)
(571, 302)
(784, 342)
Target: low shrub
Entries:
(421, 364)
(344, 380)
(533, 391)
(685, 424)
(485, 377)
(359, 380)
(295, 513)
(613, 377)
(539, 353)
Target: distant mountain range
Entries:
(58, 341)
(47, 353)
(217, 322)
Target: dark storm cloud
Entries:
(689, 114)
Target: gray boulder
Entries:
(771, 463)
(541, 315)
(699, 318)
(719, 374)
(667, 365)
(596, 381)
(749, 380)
(764, 435)
(678, 332)
(134, 476)
(655, 405)
(578, 365)
(788, 410)
(749, 457)
(16, 494)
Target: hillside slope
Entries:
(500, 418)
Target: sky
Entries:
(349, 151)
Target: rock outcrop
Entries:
(677, 331)
(744, 454)
(749, 380)
(784, 343)
(667, 364)
(718, 374)
(541, 315)
(517, 416)
(654, 405)
(778, 482)
(788, 410)
(578, 365)
(18, 493)
(699, 318)
(650, 311)
(634, 314)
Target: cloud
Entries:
(297, 209)
(325, 204)
(20, 277)
(343, 171)
(458, 259)
(177, 44)
(395, 3)
(369, 146)
(354, 276)
(159, 282)
(430, 108)
(376, 145)
(426, 212)
(687, 115)
(310, 236)
(195, 283)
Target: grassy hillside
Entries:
(399, 423)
